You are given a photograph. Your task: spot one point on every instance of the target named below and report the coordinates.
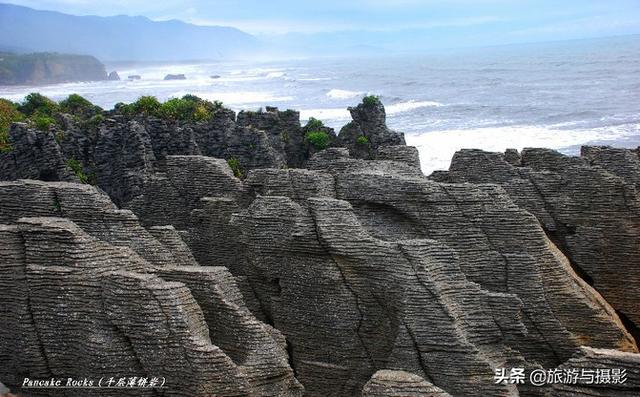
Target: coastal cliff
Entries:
(49, 68)
(249, 255)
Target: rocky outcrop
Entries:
(34, 155)
(299, 246)
(387, 383)
(90, 293)
(589, 206)
(368, 131)
(113, 76)
(605, 373)
(356, 275)
(175, 77)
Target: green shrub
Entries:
(313, 124)
(38, 103)
(97, 119)
(319, 139)
(234, 164)
(79, 106)
(201, 113)
(8, 114)
(187, 108)
(5, 146)
(42, 122)
(370, 100)
(177, 109)
(147, 105)
(77, 169)
(362, 140)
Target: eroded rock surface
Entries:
(354, 276)
(387, 383)
(589, 206)
(102, 297)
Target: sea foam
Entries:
(437, 148)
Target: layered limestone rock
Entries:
(589, 206)
(409, 266)
(387, 383)
(355, 276)
(91, 293)
(368, 131)
(34, 155)
(604, 373)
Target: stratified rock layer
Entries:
(589, 206)
(103, 298)
(355, 276)
(387, 383)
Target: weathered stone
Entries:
(614, 374)
(352, 277)
(385, 383)
(83, 303)
(589, 206)
(34, 155)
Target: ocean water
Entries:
(557, 95)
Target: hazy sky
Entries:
(451, 22)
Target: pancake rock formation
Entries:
(311, 272)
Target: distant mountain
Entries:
(44, 68)
(119, 38)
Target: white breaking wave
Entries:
(273, 75)
(410, 105)
(337, 117)
(343, 94)
(437, 148)
(332, 115)
(238, 98)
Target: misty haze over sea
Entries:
(558, 95)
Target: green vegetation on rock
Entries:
(313, 124)
(79, 106)
(362, 140)
(147, 105)
(319, 139)
(8, 114)
(234, 164)
(77, 169)
(42, 122)
(370, 100)
(42, 113)
(187, 108)
(38, 104)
